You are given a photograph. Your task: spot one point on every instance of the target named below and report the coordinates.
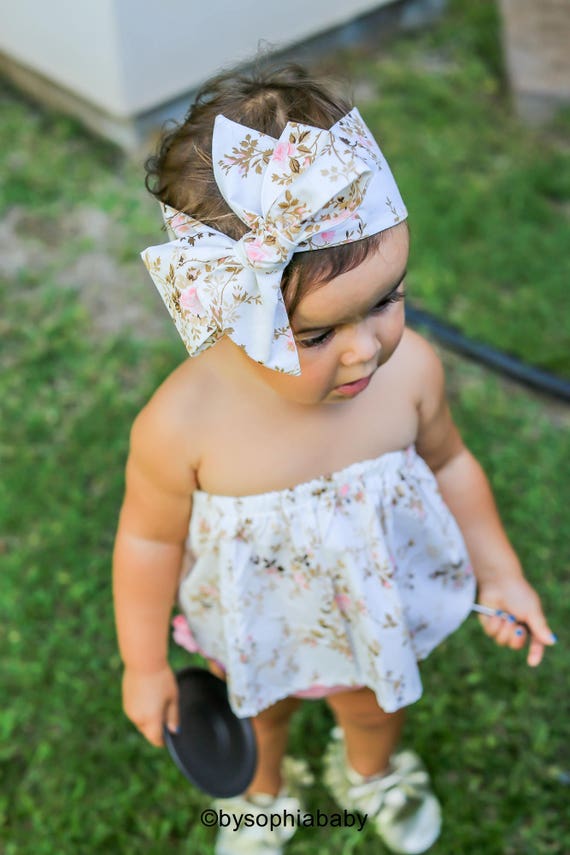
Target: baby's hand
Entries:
(516, 597)
(149, 700)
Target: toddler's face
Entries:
(347, 328)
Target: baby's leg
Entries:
(215, 669)
(271, 727)
(371, 735)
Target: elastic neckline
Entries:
(330, 479)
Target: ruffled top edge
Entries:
(316, 486)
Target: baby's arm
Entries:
(147, 560)
(466, 491)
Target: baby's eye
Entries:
(314, 342)
(380, 307)
(393, 298)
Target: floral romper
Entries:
(346, 580)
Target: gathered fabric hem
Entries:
(349, 580)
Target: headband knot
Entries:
(264, 248)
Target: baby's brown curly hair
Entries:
(181, 174)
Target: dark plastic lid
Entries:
(214, 749)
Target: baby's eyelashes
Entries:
(384, 304)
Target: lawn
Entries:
(85, 343)
(489, 198)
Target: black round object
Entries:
(214, 748)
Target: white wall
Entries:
(129, 56)
(73, 43)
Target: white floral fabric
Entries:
(348, 579)
(309, 189)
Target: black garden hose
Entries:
(537, 379)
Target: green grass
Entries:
(488, 198)
(76, 778)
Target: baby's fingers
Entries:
(510, 634)
(514, 636)
(152, 731)
(541, 635)
(518, 637)
(540, 629)
(172, 717)
(535, 653)
(504, 630)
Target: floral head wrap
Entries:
(307, 190)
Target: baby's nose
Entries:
(362, 344)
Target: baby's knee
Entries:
(277, 715)
(360, 709)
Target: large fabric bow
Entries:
(309, 189)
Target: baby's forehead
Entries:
(351, 292)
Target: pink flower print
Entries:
(244, 656)
(208, 591)
(343, 601)
(344, 490)
(301, 581)
(180, 224)
(290, 340)
(417, 508)
(255, 250)
(279, 152)
(190, 301)
(183, 635)
(283, 150)
(326, 236)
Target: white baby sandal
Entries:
(399, 802)
(253, 834)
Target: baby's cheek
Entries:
(392, 333)
(317, 373)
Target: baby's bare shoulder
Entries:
(170, 423)
(416, 348)
(416, 361)
(164, 453)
